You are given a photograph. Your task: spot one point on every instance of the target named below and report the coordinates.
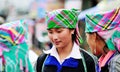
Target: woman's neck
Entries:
(64, 52)
(105, 49)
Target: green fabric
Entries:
(53, 24)
(66, 18)
(13, 57)
(13, 43)
(62, 17)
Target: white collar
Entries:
(75, 53)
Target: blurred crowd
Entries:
(36, 24)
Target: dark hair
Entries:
(73, 35)
(96, 34)
(90, 32)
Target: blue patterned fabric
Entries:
(71, 62)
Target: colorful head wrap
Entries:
(13, 43)
(107, 25)
(12, 34)
(64, 18)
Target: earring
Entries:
(95, 48)
(72, 32)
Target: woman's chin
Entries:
(58, 46)
(97, 54)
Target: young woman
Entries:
(103, 37)
(66, 54)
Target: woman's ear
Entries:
(94, 36)
(72, 31)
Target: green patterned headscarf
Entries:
(107, 25)
(67, 18)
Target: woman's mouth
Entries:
(57, 42)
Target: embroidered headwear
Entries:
(67, 18)
(14, 47)
(12, 34)
(107, 25)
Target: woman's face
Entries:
(60, 37)
(94, 44)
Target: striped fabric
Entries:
(103, 21)
(12, 34)
(13, 43)
(115, 64)
(64, 18)
(107, 25)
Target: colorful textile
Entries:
(107, 25)
(103, 21)
(13, 43)
(104, 59)
(12, 34)
(64, 18)
(115, 63)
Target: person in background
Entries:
(14, 48)
(103, 37)
(2, 20)
(65, 54)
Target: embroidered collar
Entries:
(105, 58)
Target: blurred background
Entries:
(33, 11)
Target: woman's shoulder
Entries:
(42, 56)
(88, 55)
(90, 60)
(40, 61)
(114, 64)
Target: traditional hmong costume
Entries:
(14, 48)
(79, 60)
(107, 26)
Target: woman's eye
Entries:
(49, 32)
(59, 31)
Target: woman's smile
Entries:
(57, 42)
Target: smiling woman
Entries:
(61, 37)
(66, 54)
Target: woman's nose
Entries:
(55, 36)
